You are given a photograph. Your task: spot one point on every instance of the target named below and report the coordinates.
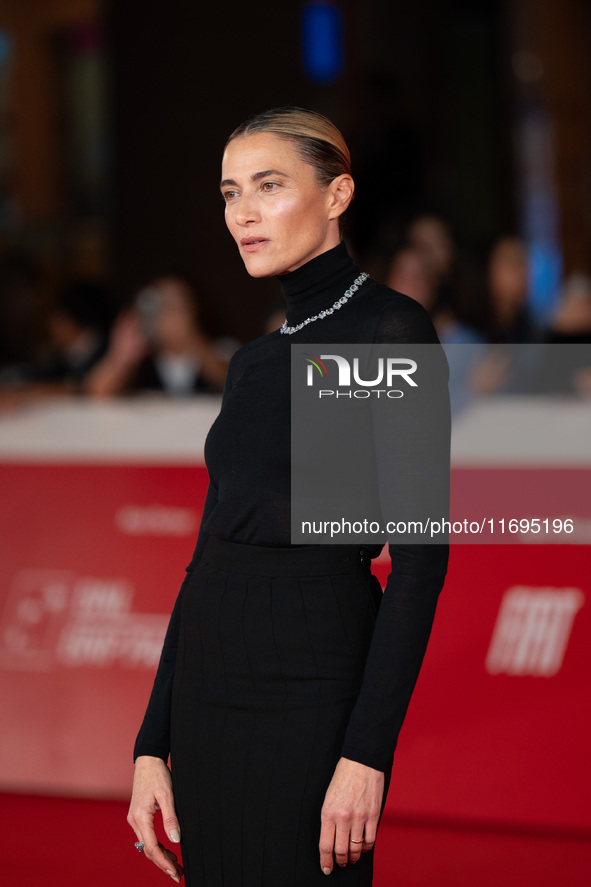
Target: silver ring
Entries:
(139, 846)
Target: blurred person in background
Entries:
(77, 334)
(571, 322)
(566, 360)
(21, 300)
(475, 318)
(431, 237)
(78, 328)
(411, 273)
(507, 322)
(159, 345)
(508, 319)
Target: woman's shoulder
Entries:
(395, 317)
(379, 296)
(254, 346)
(256, 350)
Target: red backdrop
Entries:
(92, 557)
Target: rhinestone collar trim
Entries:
(289, 330)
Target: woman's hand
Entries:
(152, 791)
(350, 813)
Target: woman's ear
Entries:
(340, 192)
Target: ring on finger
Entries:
(139, 846)
(351, 841)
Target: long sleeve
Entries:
(407, 608)
(399, 642)
(154, 735)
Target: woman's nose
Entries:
(246, 211)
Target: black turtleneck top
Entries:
(247, 453)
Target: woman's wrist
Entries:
(148, 760)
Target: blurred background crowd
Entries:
(470, 129)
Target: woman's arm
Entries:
(412, 452)
(152, 786)
(353, 802)
(407, 609)
(154, 736)
(396, 653)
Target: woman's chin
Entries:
(258, 266)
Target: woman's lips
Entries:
(253, 244)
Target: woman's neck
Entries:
(317, 284)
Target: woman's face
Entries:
(278, 214)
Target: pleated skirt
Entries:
(271, 655)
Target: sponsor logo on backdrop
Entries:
(156, 520)
(56, 619)
(532, 630)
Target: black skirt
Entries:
(272, 648)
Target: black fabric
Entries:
(248, 457)
(271, 655)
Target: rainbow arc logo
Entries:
(314, 362)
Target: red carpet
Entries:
(59, 841)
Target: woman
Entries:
(279, 694)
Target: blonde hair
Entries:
(316, 138)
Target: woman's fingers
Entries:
(168, 853)
(369, 835)
(175, 870)
(161, 857)
(170, 822)
(158, 854)
(356, 843)
(349, 842)
(350, 814)
(342, 843)
(326, 845)
(152, 792)
(155, 852)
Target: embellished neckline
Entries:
(287, 330)
(317, 285)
